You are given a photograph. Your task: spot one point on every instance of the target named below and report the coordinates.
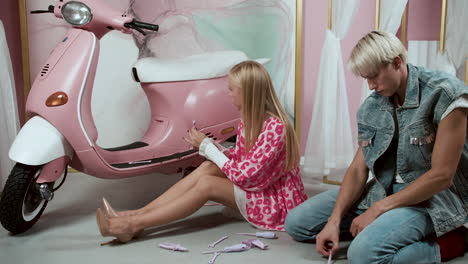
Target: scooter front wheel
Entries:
(21, 204)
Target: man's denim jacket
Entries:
(402, 139)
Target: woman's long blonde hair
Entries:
(259, 101)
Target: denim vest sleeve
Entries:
(440, 89)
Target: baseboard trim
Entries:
(327, 181)
(71, 170)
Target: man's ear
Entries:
(397, 62)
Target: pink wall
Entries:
(9, 16)
(315, 20)
(424, 19)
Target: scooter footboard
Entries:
(39, 142)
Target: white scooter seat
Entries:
(196, 67)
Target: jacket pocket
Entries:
(366, 135)
(421, 137)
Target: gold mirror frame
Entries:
(298, 69)
(466, 73)
(443, 24)
(24, 50)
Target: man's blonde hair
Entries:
(259, 100)
(376, 49)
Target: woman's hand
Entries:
(195, 137)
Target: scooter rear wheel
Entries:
(21, 204)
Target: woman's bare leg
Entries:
(207, 188)
(178, 189)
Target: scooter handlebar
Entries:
(146, 25)
(138, 26)
(50, 9)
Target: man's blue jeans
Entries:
(400, 235)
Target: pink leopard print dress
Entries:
(270, 192)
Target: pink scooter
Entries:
(61, 132)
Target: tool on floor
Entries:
(269, 235)
(212, 245)
(234, 248)
(215, 255)
(255, 243)
(173, 246)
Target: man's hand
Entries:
(365, 219)
(330, 234)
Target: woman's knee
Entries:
(206, 185)
(203, 169)
(209, 167)
(205, 166)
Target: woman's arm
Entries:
(209, 150)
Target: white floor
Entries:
(67, 231)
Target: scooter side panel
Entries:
(177, 107)
(209, 103)
(221, 132)
(73, 73)
(202, 103)
(88, 162)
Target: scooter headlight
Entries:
(76, 13)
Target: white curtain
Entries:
(456, 39)
(426, 53)
(329, 143)
(391, 12)
(8, 108)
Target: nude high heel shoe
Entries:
(109, 211)
(108, 208)
(101, 220)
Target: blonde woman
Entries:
(260, 177)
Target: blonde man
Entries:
(412, 138)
